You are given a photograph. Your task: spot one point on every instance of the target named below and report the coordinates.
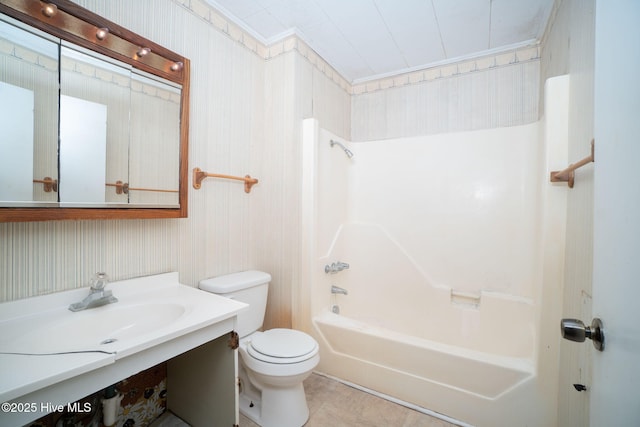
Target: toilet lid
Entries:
(282, 346)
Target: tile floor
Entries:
(333, 404)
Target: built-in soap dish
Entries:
(465, 299)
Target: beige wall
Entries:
(568, 48)
(494, 91)
(295, 88)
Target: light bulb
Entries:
(49, 10)
(144, 51)
(102, 33)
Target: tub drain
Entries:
(109, 341)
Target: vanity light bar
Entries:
(66, 20)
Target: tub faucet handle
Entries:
(335, 267)
(342, 265)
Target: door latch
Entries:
(575, 330)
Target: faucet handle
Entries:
(99, 281)
(335, 267)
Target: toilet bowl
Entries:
(274, 363)
(277, 371)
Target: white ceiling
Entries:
(366, 39)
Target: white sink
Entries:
(51, 354)
(61, 330)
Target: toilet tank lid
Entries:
(234, 281)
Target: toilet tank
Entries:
(250, 287)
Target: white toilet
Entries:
(273, 363)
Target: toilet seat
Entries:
(282, 346)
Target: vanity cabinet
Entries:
(202, 384)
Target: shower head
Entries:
(348, 152)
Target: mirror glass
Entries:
(28, 115)
(95, 97)
(119, 133)
(88, 122)
(153, 174)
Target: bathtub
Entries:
(429, 373)
(476, 372)
(469, 356)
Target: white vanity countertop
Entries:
(150, 311)
(22, 374)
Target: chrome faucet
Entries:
(337, 290)
(336, 267)
(98, 295)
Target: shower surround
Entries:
(455, 244)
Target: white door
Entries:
(615, 390)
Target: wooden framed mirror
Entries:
(94, 120)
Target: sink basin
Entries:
(90, 330)
(149, 310)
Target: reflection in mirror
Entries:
(94, 107)
(28, 114)
(140, 145)
(154, 177)
(83, 146)
(16, 150)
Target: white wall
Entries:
(568, 48)
(464, 205)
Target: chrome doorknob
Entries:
(575, 330)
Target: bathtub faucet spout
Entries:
(337, 290)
